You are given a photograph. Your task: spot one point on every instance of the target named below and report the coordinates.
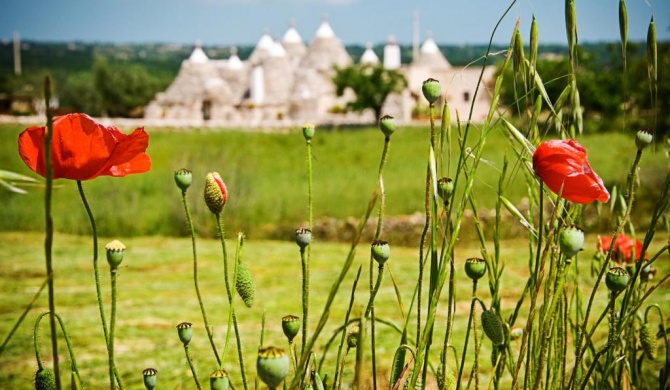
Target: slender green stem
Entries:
(475, 367)
(338, 372)
(230, 302)
(112, 324)
(208, 328)
(371, 301)
(48, 240)
(190, 364)
(465, 344)
(305, 263)
(305, 296)
(24, 314)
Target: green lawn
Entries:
(266, 177)
(156, 293)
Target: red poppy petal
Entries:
(129, 154)
(31, 148)
(81, 147)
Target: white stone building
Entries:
(285, 81)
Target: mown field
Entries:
(156, 293)
(266, 178)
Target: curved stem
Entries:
(190, 364)
(189, 221)
(465, 345)
(371, 301)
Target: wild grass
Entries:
(266, 176)
(156, 293)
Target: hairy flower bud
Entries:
(216, 194)
(493, 327)
(45, 380)
(245, 285)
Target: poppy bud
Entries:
(150, 378)
(475, 268)
(387, 125)
(272, 366)
(308, 132)
(303, 237)
(218, 380)
(492, 327)
(431, 90)
(245, 285)
(571, 241)
(115, 250)
(185, 332)
(445, 187)
(290, 324)
(352, 336)
(643, 139)
(45, 380)
(216, 194)
(616, 279)
(183, 178)
(381, 251)
(648, 341)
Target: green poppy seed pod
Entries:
(571, 241)
(308, 132)
(149, 378)
(185, 332)
(445, 187)
(643, 139)
(303, 237)
(245, 285)
(475, 267)
(183, 178)
(387, 125)
(45, 380)
(218, 380)
(431, 90)
(272, 366)
(381, 251)
(648, 341)
(352, 336)
(493, 327)
(616, 279)
(216, 193)
(290, 324)
(115, 251)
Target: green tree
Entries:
(372, 84)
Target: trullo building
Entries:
(286, 81)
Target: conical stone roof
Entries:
(430, 56)
(325, 51)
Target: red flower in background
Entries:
(625, 249)
(563, 164)
(83, 149)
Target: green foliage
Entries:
(372, 84)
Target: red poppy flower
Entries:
(625, 248)
(83, 149)
(562, 165)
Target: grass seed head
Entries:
(648, 341)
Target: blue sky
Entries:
(227, 22)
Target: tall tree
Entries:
(372, 84)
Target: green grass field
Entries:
(266, 178)
(156, 293)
